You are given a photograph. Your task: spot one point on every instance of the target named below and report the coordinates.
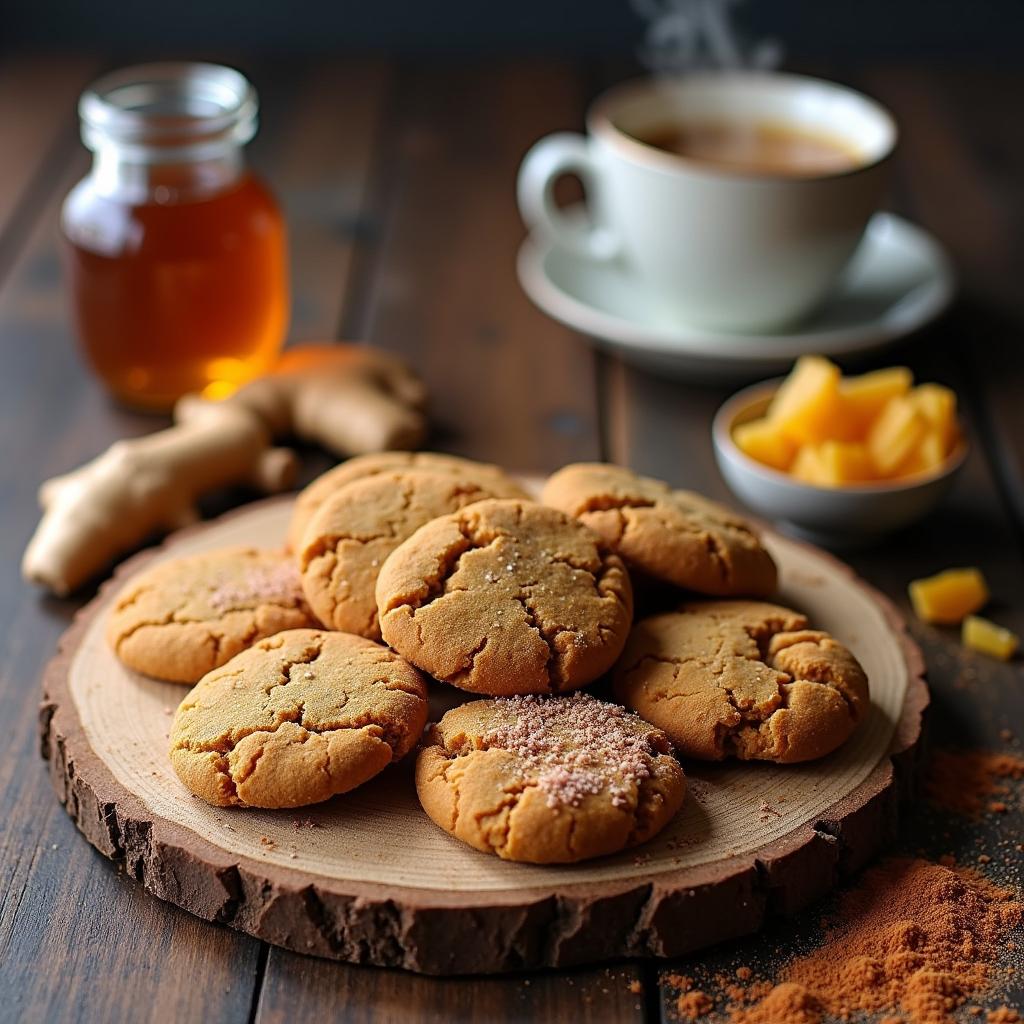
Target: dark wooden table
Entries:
(398, 183)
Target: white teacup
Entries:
(720, 249)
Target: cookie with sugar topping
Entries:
(186, 616)
(358, 526)
(742, 679)
(298, 718)
(676, 536)
(506, 597)
(548, 780)
(362, 466)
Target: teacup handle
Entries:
(546, 162)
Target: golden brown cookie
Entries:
(506, 597)
(362, 466)
(183, 618)
(548, 780)
(297, 719)
(358, 526)
(676, 536)
(742, 679)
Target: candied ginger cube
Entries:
(981, 635)
(949, 596)
(806, 406)
(808, 467)
(866, 395)
(937, 404)
(895, 434)
(846, 462)
(928, 456)
(765, 441)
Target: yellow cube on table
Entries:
(981, 635)
(949, 596)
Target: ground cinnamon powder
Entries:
(694, 1005)
(965, 782)
(914, 939)
(786, 1003)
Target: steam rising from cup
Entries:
(687, 35)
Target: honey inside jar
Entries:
(175, 252)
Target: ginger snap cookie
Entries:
(742, 679)
(362, 466)
(506, 597)
(358, 526)
(676, 536)
(548, 780)
(300, 717)
(185, 617)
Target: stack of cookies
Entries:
(311, 666)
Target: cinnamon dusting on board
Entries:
(694, 1005)
(912, 943)
(1002, 1015)
(786, 1003)
(969, 782)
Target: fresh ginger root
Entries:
(349, 398)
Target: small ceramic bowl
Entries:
(836, 516)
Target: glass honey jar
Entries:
(175, 251)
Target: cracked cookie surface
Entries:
(673, 535)
(358, 526)
(506, 597)
(182, 618)
(362, 466)
(742, 679)
(548, 780)
(300, 717)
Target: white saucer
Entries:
(899, 280)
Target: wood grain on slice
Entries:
(334, 881)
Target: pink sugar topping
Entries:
(264, 584)
(575, 746)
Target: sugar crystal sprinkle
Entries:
(266, 584)
(576, 746)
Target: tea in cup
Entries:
(737, 198)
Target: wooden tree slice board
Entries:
(367, 877)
